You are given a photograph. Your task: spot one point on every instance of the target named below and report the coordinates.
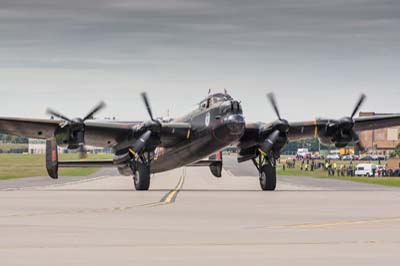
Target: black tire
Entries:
(142, 178)
(268, 177)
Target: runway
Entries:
(191, 218)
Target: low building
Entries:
(37, 146)
(380, 141)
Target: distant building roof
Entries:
(373, 114)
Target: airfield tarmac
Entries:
(191, 218)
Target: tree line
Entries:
(13, 139)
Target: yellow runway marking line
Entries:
(171, 196)
(338, 223)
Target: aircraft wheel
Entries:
(268, 177)
(142, 178)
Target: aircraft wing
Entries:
(97, 133)
(312, 129)
(262, 137)
(30, 128)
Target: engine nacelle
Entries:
(70, 136)
(216, 169)
(216, 165)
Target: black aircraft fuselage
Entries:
(215, 124)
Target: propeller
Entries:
(90, 115)
(271, 98)
(82, 152)
(95, 109)
(347, 123)
(342, 130)
(77, 125)
(358, 105)
(281, 127)
(147, 104)
(151, 126)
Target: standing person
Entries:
(349, 169)
(329, 169)
(334, 168)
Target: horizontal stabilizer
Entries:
(86, 163)
(204, 163)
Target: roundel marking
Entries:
(207, 119)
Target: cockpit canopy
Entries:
(225, 102)
(214, 99)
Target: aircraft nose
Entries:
(235, 124)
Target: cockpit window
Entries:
(214, 99)
(230, 107)
(203, 104)
(220, 97)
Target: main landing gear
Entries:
(141, 169)
(266, 167)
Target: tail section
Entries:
(52, 158)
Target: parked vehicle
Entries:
(317, 157)
(365, 169)
(333, 156)
(381, 167)
(381, 157)
(303, 154)
(348, 157)
(366, 158)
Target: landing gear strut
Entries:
(266, 167)
(141, 170)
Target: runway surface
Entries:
(191, 218)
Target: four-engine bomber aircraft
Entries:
(142, 148)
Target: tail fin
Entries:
(52, 158)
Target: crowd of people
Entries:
(332, 168)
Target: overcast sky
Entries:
(317, 56)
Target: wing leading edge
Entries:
(97, 133)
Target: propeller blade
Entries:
(272, 100)
(141, 142)
(57, 114)
(358, 105)
(82, 152)
(147, 104)
(356, 139)
(270, 141)
(95, 109)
